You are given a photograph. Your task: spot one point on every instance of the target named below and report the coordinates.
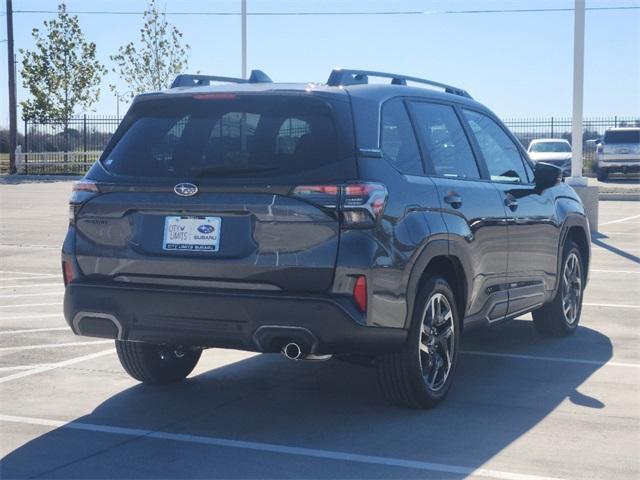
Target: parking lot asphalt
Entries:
(522, 407)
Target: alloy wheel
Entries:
(571, 288)
(437, 341)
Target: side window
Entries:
(500, 152)
(445, 141)
(397, 140)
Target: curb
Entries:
(619, 197)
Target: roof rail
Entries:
(341, 76)
(196, 80)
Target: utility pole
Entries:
(243, 9)
(578, 94)
(13, 132)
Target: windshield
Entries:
(550, 147)
(622, 136)
(254, 135)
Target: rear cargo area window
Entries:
(250, 136)
(622, 136)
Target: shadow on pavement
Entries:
(330, 406)
(596, 239)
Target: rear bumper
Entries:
(253, 321)
(620, 164)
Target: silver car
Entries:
(556, 151)
(619, 151)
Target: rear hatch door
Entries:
(201, 191)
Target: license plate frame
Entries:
(189, 233)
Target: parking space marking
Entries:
(544, 358)
(53, 345)
(274, 448)
(39, 294)
(32, 305)
(33, 317)
(44, 277)
(23, 367)
(611, 305)
(26, 273)
(33, 330)
(25, 285)
(620, 220)
(52, 366)
(637, 272)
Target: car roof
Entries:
(622, 129)
(372, 92)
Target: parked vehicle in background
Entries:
(618, 152)
(344, 218)
(556, 151)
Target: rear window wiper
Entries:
(214, 171)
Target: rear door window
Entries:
(252, 136)
(446, 144)
(397, 139)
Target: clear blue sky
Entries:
(518, 64)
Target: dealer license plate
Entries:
(192, 233)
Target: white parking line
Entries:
(610, 305)
(544, 358)
(637, 272)
(51, 366)
(2, 272)
(33, 330)
(23, 367)
(43, 277)
(620, 220)
(39, 294)
(32, 305)
(53, 345)
(25, 285)
(32, 317)
(275, 448)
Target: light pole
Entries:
(118, 97)
(243, 21)
(578, 94)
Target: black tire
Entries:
(400, 374)
(150, 363)
(602, 174)
(552, 319)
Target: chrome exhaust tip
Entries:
(292, 351)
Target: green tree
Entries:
(158, 57)
(61, 73)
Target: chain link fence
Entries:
(56, 147)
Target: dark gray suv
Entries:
(346, 218)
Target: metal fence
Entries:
(53, 147)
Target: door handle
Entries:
(453, 199)
(511, 203)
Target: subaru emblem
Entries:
(185, 189)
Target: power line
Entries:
(352, 13)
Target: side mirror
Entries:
(546, 175)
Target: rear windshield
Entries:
(224, 136)
(550, 147)
(622, 136)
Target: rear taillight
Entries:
(85, 186)
(81, 191)
(360, 293)
(324, 195)
(360, 204)
(67, 272)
